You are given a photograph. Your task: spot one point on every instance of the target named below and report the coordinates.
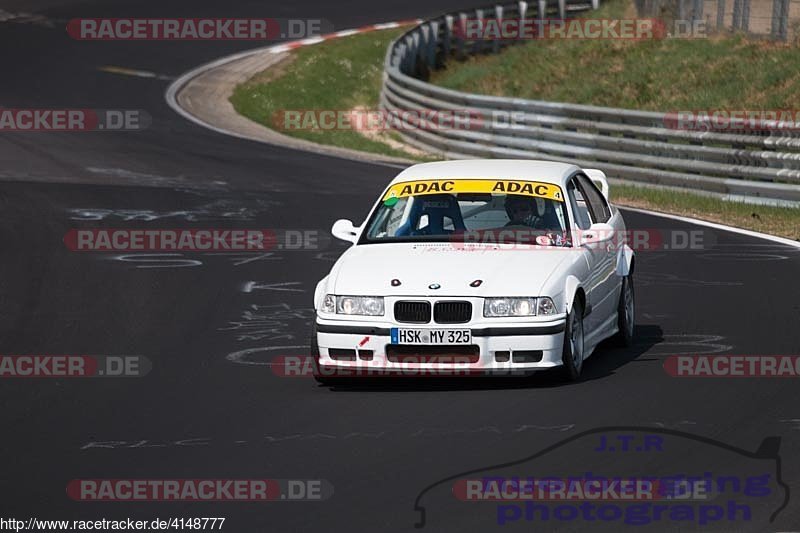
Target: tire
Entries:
(626, 313)
(572, 354)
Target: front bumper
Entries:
(495, 345)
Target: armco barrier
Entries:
(627, 144)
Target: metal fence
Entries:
(632, 145)
(776, 19)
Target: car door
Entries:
(594, 259)
(605, 282)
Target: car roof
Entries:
(504, 169)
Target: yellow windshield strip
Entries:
(442, 186)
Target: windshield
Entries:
(487, 211)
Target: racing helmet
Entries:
(515, 202)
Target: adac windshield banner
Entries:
(524, 188)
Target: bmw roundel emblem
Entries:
(434, 286)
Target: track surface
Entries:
(379, 445)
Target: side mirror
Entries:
(599, 232)
(343, 229)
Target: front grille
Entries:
(400, 353)
(412, 312)
(452, 312)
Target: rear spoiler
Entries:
(599, 179)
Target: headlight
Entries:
(500, 307)
(359, 305)
(493, 307)
(329, 304)
(545, 306)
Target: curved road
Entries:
(211, 408)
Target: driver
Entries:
(521, 210)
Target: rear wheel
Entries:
(626, 312)
(572, 353)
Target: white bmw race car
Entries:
(485, 266)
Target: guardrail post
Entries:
(720, 15)
(522, 8)
(746, 15)
(595, 4)
(776, 8)
(431, 44)
(410, 59)
(562, 9)
(424, 40)
(448, 37)
(404, 60)
(697, 12)
(542, 10)
(741, 15)
(460, 44)
(399, 56)
(477, 46)
(737, 14)
(498, 15)
(784, 26)
(414, 67)
(780, 20)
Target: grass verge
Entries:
(340, 74)
(780, 221)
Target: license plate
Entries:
(431, 336)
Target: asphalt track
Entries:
(203, 413)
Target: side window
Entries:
(598, 207)
(579, 207)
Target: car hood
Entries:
(508, 270)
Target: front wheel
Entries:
(572, 353)
(626, 311)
